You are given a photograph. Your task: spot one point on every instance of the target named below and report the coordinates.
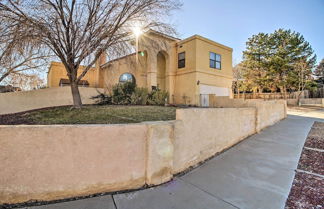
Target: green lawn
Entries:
(99, 115)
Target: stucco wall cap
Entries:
(199, 37)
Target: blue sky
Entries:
(232, 22)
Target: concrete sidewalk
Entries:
(256, 173)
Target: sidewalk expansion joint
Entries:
(112, 196)
(208, 193)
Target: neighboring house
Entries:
(9, 88)
(189, 69)
(57, 76)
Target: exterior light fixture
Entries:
(141, 53)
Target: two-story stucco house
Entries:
(189, 69)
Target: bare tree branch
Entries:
(80, 31)
(19, 53)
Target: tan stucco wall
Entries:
(27, 100)
(186, 90)
(155, 45)
(197, 68)
(161, 71)
(145, 70)
(309, 101)
(160, 151)
(61, 161)
(52, 162)
(57, 72)
(114, 70)
(204, 47)
(201, 133)
(181, 83)
(210, 76)
(267, 112)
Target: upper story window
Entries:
(182, 60)
(215, 60)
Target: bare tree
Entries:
(304, 75)
(19, 56)
(80, 31)
(26, 81)
(238, 73)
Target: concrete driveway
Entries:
(256, 173)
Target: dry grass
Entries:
(93, 115)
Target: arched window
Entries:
(127, 77)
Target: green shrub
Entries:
(128, 93)
(122, 92)
(158, 97)
(102, 99)
(139, 96)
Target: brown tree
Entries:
(26, 82)
(80, 31)
(237, 76)
(19, 55)
(319, 71)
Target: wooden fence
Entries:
(318, 93)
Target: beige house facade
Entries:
(190, 70)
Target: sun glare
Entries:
(137, 31)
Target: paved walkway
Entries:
(257, 173)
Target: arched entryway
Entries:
(161, 70)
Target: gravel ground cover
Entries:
(315, 138)
(312, 161)
(307, 191)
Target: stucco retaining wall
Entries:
(201, 133)
(52, 162)
(61, 161)
(160, 151)
(309, 101)
(14, 102)
(267, 112)
(292, 102)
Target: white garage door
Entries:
(218, 91)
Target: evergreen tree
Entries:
(255, 61)
(319, 71)
(280, 60)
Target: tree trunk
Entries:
(238, 88)
(77, 103)
(285, 92)
(298, 98)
